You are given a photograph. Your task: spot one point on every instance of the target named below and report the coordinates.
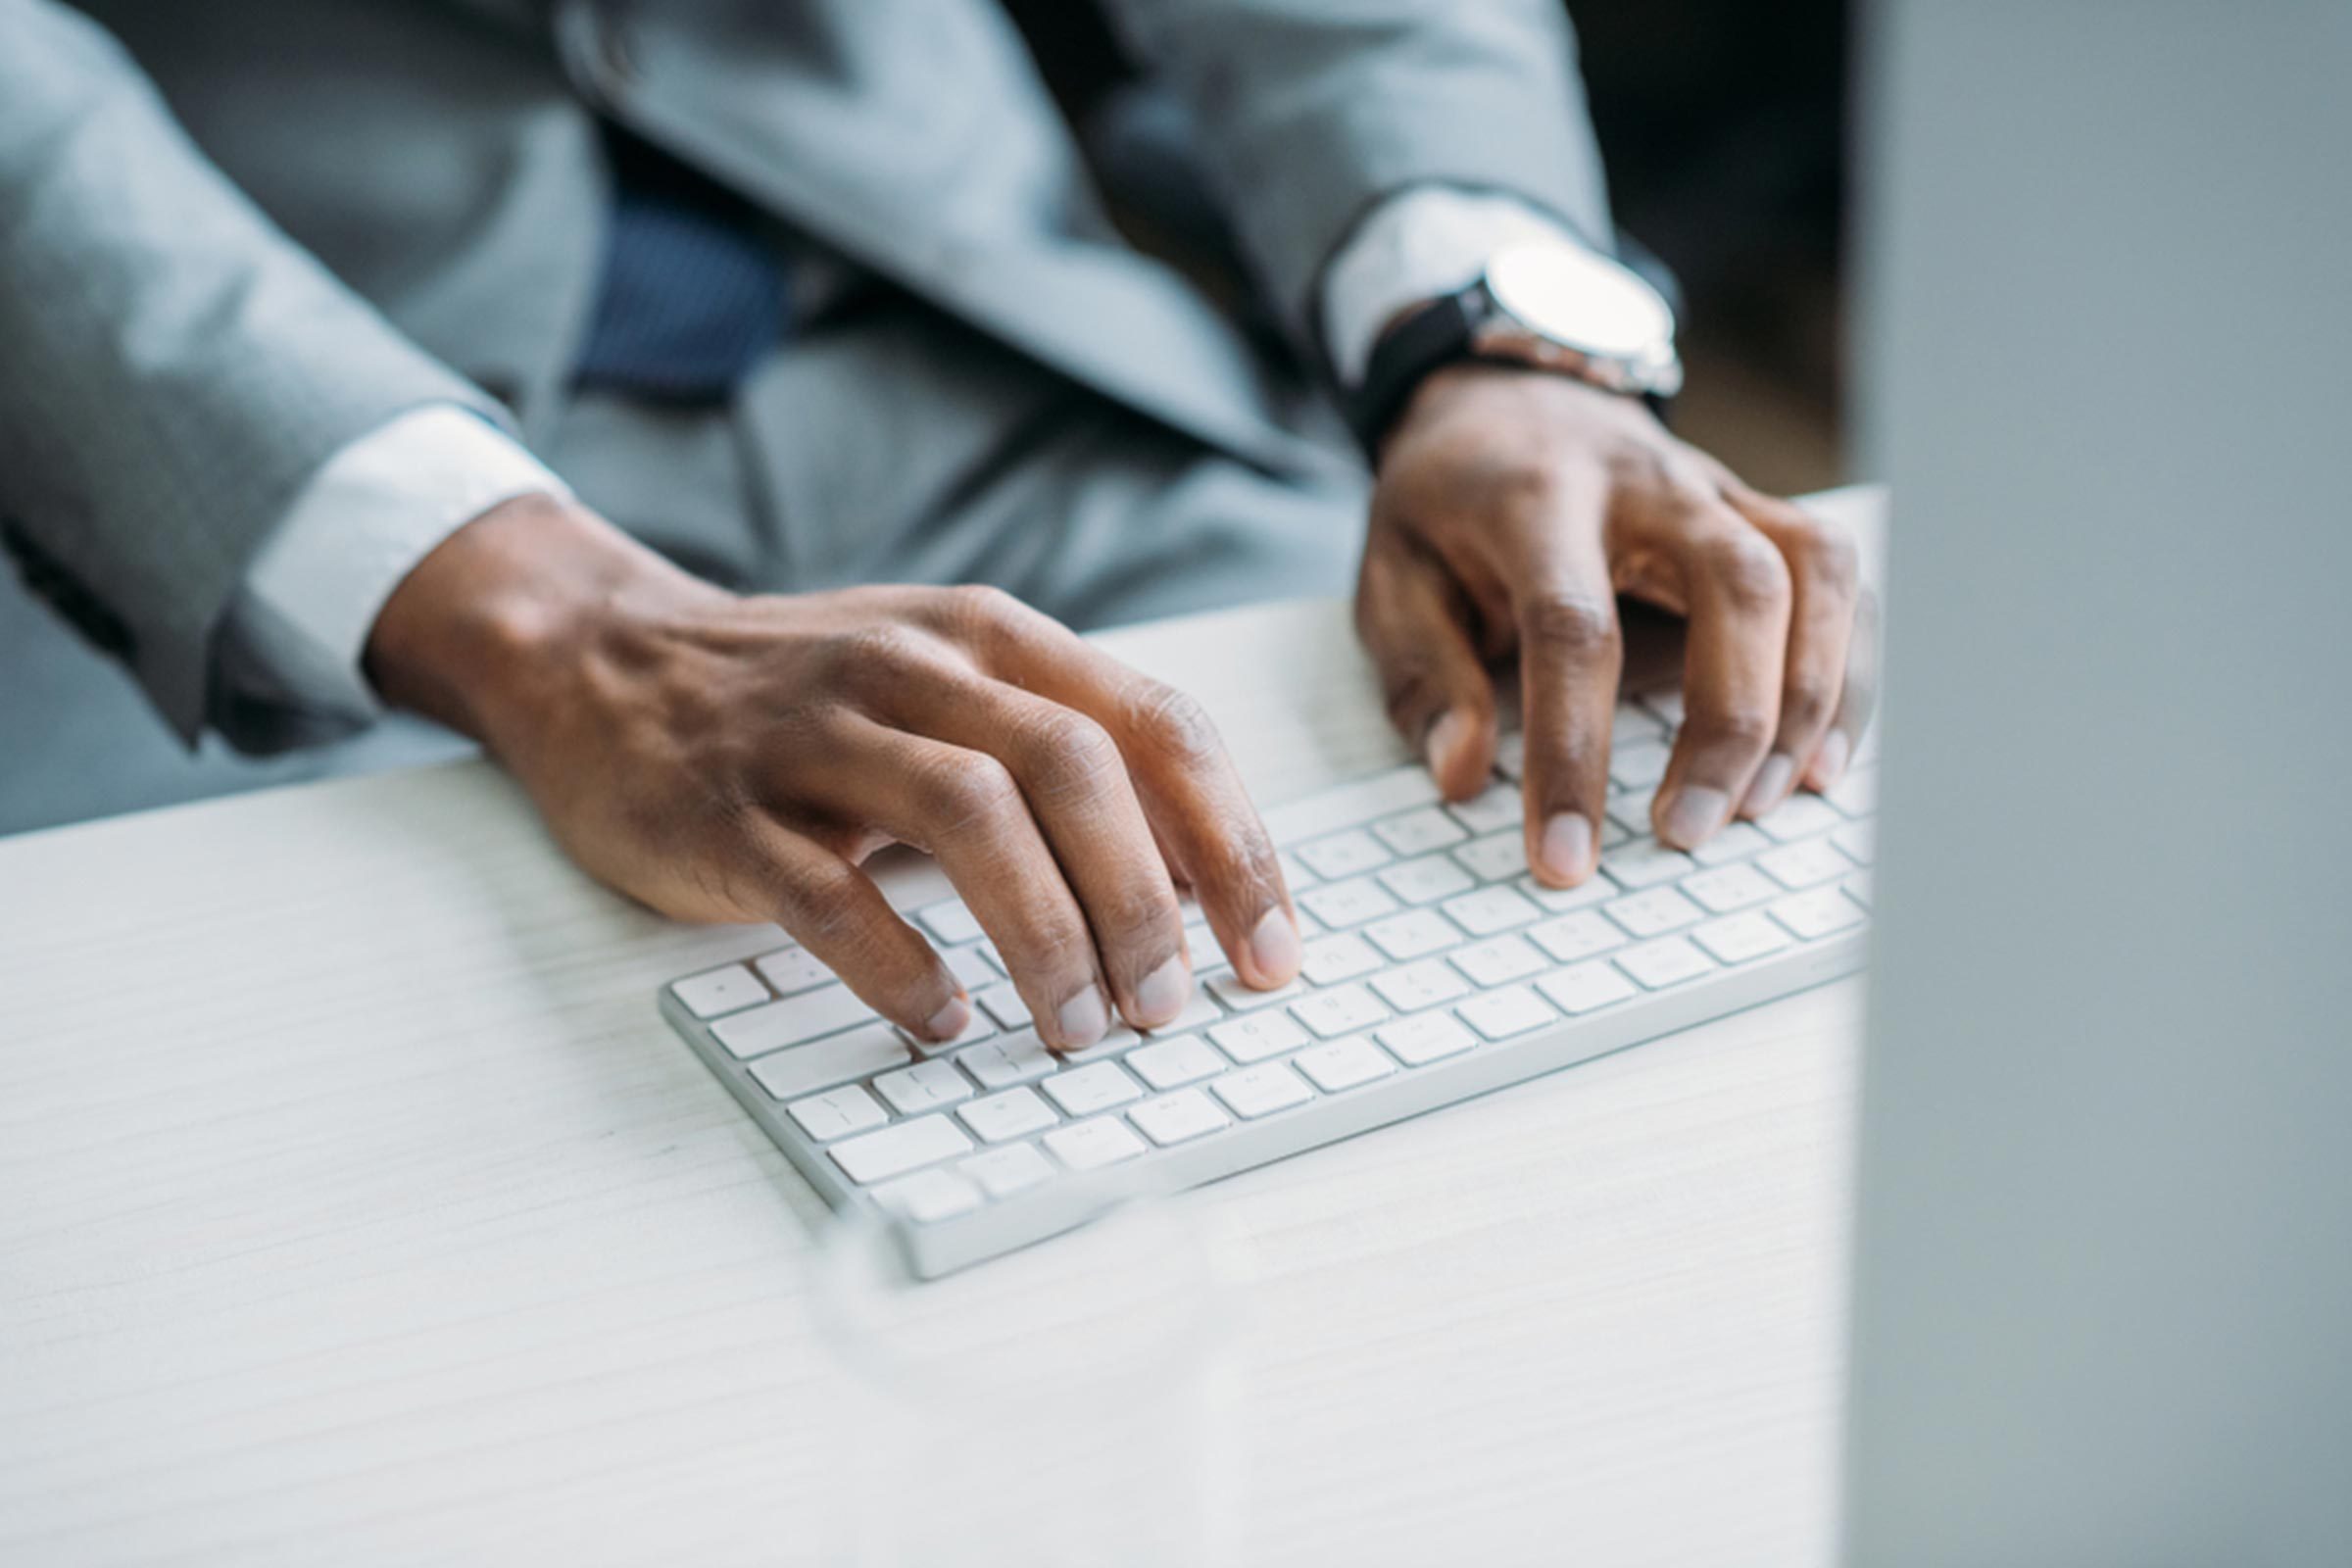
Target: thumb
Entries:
(1412, 616)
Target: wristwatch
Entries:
(1552, 306)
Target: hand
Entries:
(1512, 508)
(725, 757)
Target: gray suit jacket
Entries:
(236, 234)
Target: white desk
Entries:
(355, 1206)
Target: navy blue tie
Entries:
(693, 290)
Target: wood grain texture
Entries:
(355, 1206)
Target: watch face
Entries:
(1582, 299)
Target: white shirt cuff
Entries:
(1419, 245)
(302, 615)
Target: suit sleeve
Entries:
(1310, 112)
(172, 368)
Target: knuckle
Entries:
(1743, 727)
(821, 909)
(884, 647)
(1749, 571)
(1069, 753)
(971, 791)
(981, 610)
(1174, 725)
(1571, 621)
(1806, 705)
(1836, 558)
(1132, 916)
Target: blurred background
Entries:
(1724, 126)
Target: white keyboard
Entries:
(1434, 968)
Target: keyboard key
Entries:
(804, 1069)
(790, 1021)
(1498, 961)
(1259, 1035)
(1352, 804)
(1857, 888)
(1178, 1118)
(1500, 1014)
(837, 1113)
(1491, 909)
(1427, 984)
(1510, 756)
(716, 991)
(791, 970)
(1201, 949)
(1667, 962)
(1198, 1011)
(1632, 724)
(1734, 841)
(971, 971)
(1328, 961)
(1592, 890)
(1419, 832)
(1261, 1091)
(1343, 855)
(929, 1196)
(1858, 841)
(925, 1086)
(1653, 912)
(1496, 857)
(1018, 1057)
(1818, 913)
(1799, 816)
(1171, 1063)
(1002, 1117)
(1003, 1003)
(1428, 879)
(1340, 1010)
(1002, 1172)
(1414, 934)
(1646, 862)
(1097, 1086)
(1726, 888)
(1802, 865)
(1738, 937)
(1343, 1064)
(1498, 809)
(1295, 875)
(1631, 814)
(996, 960)
(1340, 904)
(1578, 935)
(1416, 1041)
(1856, 793)
(1093, 1145)
(1639, 765)
(951, 924)
(1585, 987)
(1667, 705)
(877, 1156)
(1114, 1043)
(1228, 989)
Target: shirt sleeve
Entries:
(1421, 244)
(298, 624)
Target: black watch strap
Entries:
(1438, 333)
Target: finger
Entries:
(1855, 702)
(1188, 786)
(1823, 581)
(1410, 617)
(1739, 591)
(1569, 656)
(832, 909)
(1075, 781)
(967, 811)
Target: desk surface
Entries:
(357, 1206)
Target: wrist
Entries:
(479, 635)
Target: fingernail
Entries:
(951, 1020)
(1772, 783)
(1567, 846)
(1162, 995)
(1693, 813)
(1830, 761)
(1444, 738)
(1274, 945)
(1084, 1020)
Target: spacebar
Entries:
(836, 1060)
